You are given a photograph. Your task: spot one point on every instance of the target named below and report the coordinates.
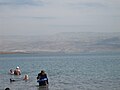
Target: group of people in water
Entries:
(41, 77)
(17, 71)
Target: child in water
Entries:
(11, 72)
(26, 77)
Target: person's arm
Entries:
(45, 75)
(19, 72)
(46, 81)
(38, 77)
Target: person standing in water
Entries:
(17, 71)
(42, 78)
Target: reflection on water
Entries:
(42, 87)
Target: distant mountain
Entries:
(66, 42)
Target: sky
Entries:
(39, 17)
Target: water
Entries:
(65, 72)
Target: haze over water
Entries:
(39, 17)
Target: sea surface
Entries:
(65, 72)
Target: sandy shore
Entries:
(11, 52)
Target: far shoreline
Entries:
(61, 53)
(13, 53)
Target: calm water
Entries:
(65, 72)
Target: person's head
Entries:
(7, 89)
(42, 72)
(17, 67)
(11, 70)
(26, 77)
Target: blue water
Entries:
(65, 72)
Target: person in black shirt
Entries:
(42, 78)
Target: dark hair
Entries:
(42, 71)
(7, 89)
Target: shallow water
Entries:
(65, 72)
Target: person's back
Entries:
(42, 78)
(17, 71)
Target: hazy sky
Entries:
(36, 17)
